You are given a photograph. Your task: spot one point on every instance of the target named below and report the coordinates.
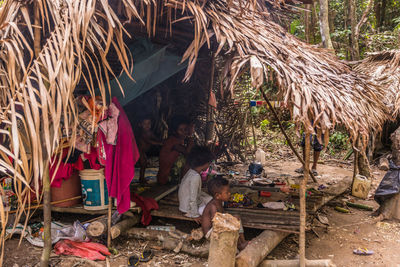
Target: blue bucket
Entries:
(94, 189)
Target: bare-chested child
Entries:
(146, 140)
(218, 188)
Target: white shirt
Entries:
(190, 195)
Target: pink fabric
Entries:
(109, 126)
(120, 161)
(88, 250)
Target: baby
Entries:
(219, 189)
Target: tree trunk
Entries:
(224, 239)
(331, 17)
(357, 28)
(324, 23)
(377, 9)
(383, 13)
(44, 261)
(363, 165)
(354, 49)
(314, 19)
(307, 23)
(259, 248)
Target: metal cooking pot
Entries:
(255, 168)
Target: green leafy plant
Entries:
(338, 141)
(264, 125)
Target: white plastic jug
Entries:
(361, 186)
(260, 156)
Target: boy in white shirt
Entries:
(192, 200)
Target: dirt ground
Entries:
(337, 241)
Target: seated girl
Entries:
(192, 200)
(173, 152)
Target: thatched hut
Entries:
(382, 68)
(48, 47)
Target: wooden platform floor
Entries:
(259, 218)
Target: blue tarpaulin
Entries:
(152, 65)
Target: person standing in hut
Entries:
(317, 147)
(174, 150)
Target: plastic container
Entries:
(361, 186)
(94, 189)
(69, 188)
(260, 156)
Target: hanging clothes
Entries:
(120, 161)
(109, 126)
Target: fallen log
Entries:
(169, 242)
(123, 225)
(259, 248)
(295, 263)
(224, 239)
(97, 228)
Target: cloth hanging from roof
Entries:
(120, 161)
(109, 126)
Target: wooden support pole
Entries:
(44, 261)
(110, 205)
(284, 133)
(303, 212)
(224, 239)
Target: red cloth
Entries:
(88, 250)
(92, 157)
(147, 204)
(64, 170)
(168, 156)
(120, 161)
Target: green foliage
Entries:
(263, 125)
(297, 28)
(338, 141)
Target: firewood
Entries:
(97, 228)
(224, 238)
(259, 248)
(123, 225)
(168, 242)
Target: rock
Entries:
(384, 164)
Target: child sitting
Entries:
(146, 139)
(219, 189)
(173, 151)
(192, 200)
